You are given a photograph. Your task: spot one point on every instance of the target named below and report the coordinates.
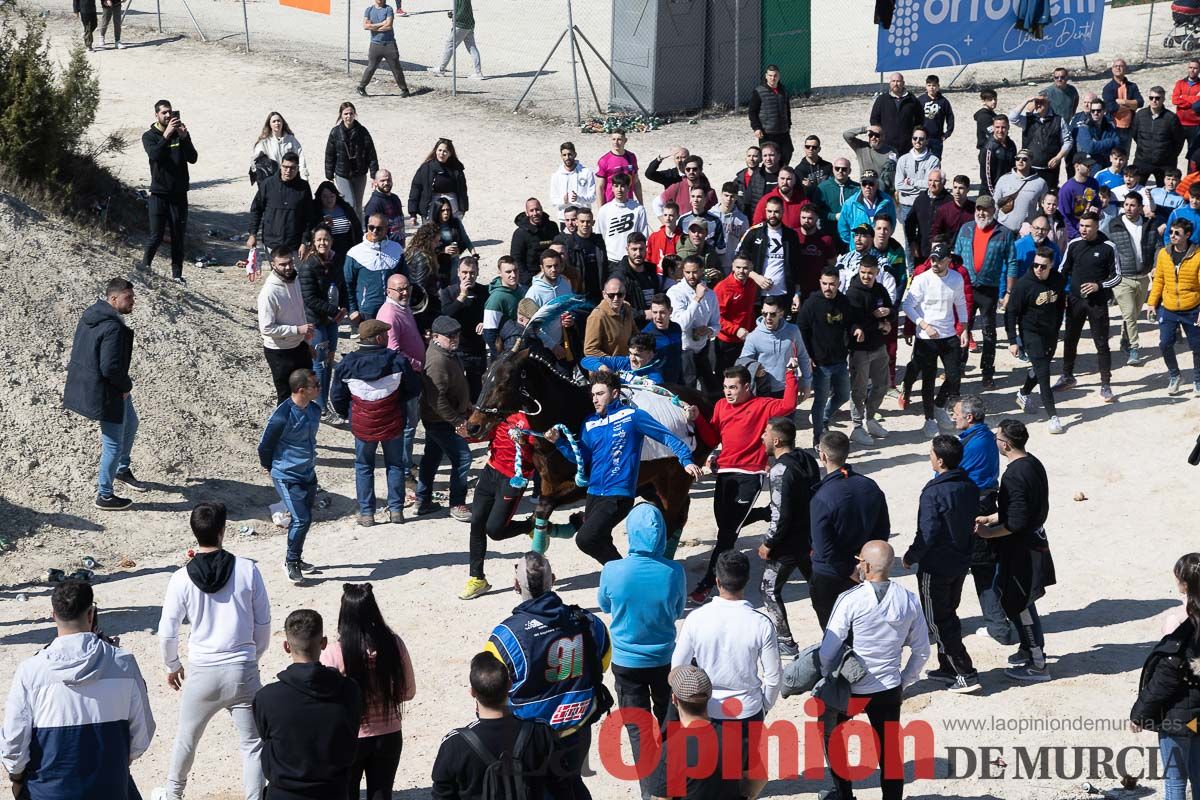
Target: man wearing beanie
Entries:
(445, 406)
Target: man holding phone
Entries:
(168, 144)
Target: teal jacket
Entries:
(999, 261)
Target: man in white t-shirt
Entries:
(620, 217)
(225, 601)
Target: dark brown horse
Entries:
(525, 380)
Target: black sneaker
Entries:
(1028, 673)
(126, 479)
(965, 684)
(293, 572)
(113, 503)
(362, 92)
(1020, 658)
(942, 675)
(307, 567)
(428, 508)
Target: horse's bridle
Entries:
(537, 406)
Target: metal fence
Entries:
(517, 40)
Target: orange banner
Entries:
(318, 6)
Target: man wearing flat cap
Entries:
(445, 406)
(371, 387)
(679, 772)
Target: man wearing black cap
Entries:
(445, 406)
(868, 203)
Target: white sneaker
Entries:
(931, 428)
(875, 429)
(160, 793)
(1056, 426)
(120, 46)
(438, 73)
(860, 436)
(943, 418)
(103, 43)
(476, 76)
(1023, 402)
(1173, 384)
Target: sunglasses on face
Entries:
(812, 147)
(1156, 97)
(614, 295)
(841, 169)
(377, 228)
(918, 138)
(872, 135)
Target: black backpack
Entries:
(264, 167)
(504, 778)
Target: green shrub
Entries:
(43, 116)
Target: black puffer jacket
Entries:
(350, 151)
(421, 193)
(1169, 689)
(1158, 140)
(528, 243)
(283, 210)
(770, 111)
(98, 373)
(316, 278)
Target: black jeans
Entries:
(727, 354)
(283, 363)
(940, 596)
(601, 514)
(986, 298)
(823, 591)
(699, 367)
(388, 53)
(733, 498)
(645, 688)
(925, 356)
(571, 759)
(1038, 375)
(495, 502)
(1078, 312)
(882, 708)
(776, 573)
(377, 758)
(167, 212)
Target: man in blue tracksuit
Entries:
(288, 450)
(981, 462)
(611, 448)
(645, 593)
(642, 361)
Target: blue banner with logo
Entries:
(932, 34)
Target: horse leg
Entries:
(674, 488)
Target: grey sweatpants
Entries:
(867, 366)
(207, 690)
(457, 36)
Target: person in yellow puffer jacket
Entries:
(1175, 298)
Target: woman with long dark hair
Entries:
(453, 240)
(440, 175)
(1169, 690)
(350, 156)
(324, 293)
(332, 211)
(275, 139)
(374, 657)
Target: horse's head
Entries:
(501, 393)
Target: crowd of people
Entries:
(746, 296)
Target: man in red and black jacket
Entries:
(372, 387)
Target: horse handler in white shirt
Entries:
(224, 598)
(735, 645)
(880, 618)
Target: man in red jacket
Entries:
(792, 195)
(736, 294)
(1185, 96)
(737, 426)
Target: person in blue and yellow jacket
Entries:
(557, 656)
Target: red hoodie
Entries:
(739, 428)
(735, 302)
(502, 449)
(791, 208)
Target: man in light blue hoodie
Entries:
(645, 593)
(768, 348)
(548, 285)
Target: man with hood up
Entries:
(534, 233)
(80, 687)
(768, 348)
(645, 593)
(308, 719)
(224, 599)
(542, 643)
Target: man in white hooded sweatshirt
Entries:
(912, 172)
(882, 618)
(224, 598)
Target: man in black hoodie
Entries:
(1090, 266)
(587, 254)
(872, 317)
(98, 387)
(824, 322)
(897, 112)
(282, 208)
(535, 232)
(1035, 312)
(169, 146)
(942, 553)
(640, 277)
(308, 720)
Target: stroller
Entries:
(1186, 33)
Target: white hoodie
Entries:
(881, 629)
(581, 181)
(229, 626)
(912, 174)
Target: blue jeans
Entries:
(299, 498)
(825, 404)
(364, 473)
(441, 440)
(116, 443)
(1168, 331)
(324, 342)
(1181, 765)
(412, 415)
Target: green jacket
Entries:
(464, 15)
(833, 195)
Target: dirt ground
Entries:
(203, 392)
